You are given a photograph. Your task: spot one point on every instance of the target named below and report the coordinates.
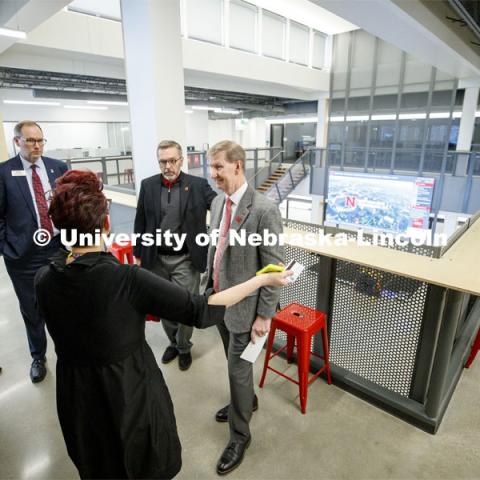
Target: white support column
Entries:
(155, 82)
(322, 120)
(3, 143)
(316, 215)
(467, 126)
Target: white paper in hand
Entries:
(251, 353)
(296, 268)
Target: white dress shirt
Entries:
(235, 198)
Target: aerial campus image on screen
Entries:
(389, 203)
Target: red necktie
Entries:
(41, 201)
(221, 244)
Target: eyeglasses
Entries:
(172, 162)
(32, 141)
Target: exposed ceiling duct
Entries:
(85, 87)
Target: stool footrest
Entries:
(280, 350)
(315, 375)
(311, 379)
(283, 375)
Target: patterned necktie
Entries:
(221, 244)
(41, 201)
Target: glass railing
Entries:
(113, 170)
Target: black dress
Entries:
(113, 404)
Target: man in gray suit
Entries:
(240, 208)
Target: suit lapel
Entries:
(243, 209)
(184, 193)
(157, 199)
(23, 186)
(216, 216)
(51, 172)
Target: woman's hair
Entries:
(78, 202)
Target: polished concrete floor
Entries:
(340, 437)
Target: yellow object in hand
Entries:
(271, 268)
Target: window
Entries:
(319, 47)
(205, 20)
(273, 35)
(299, 43)
(243, 25)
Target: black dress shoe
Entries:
(222, 415)
(169, 354)
(184, 361)
(232, 456)
(38, 371)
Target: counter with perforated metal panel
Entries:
(400, 323)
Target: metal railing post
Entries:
(118, 170)
(255, 167)
(203, 159)
(278, 193)
(291, 177)
(104, 171)
(468, 187)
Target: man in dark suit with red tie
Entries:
(26, 181)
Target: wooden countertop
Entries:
(126, 199)
(458, 269)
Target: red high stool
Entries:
(122, 251)
(301, 323)
(473, 352)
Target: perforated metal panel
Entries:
(375, 325)
(376, 316)
(304, 290)
(302, 226)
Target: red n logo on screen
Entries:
(350, 201)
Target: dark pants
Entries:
(22, 273)
(180, 270)
(240, 376)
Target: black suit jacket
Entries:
(196, 196)
(18, 220)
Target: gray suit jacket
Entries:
(255, 213)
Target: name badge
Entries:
(19, 173)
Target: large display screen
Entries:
(389, 203)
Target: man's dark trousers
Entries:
(22, 274)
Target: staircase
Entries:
(285, 178)
(272, 179)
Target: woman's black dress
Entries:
(113, 404)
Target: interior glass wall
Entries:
(389, 111)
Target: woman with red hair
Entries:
(113, 404)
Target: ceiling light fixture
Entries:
(105, 102)
(439, 115)
(84, 107)
(357, 118)
(293, 120)
(233, 112)
(8, 32)
(387, 116)
(412, 116)
(31, 102)
(203, 107)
